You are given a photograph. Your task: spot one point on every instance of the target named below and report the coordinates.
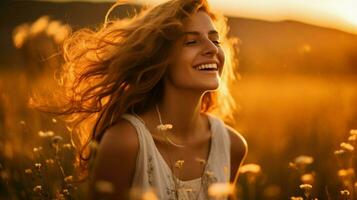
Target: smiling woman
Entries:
(198, 49)
(148, 88)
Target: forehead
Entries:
(199, 21)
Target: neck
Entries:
(182, 110)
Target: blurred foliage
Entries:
(297, 98)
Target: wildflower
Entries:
(307, 189)
(307, 178)
(179, 164)
(305, 186)
(292, 165)
(37, 188)
(296, 198)
(201, 161)
(345, 193)
(219, 190)
(103, 186)
(149, 195)
(38, 166)
(68, 179)
(344, 156)
(22, 122)
(146, 194)
(339, 152)
(352, 138)
(61, 33)
(39, 25)
(54, 120)
(65, 191)
(164, 127)
(45, 134)
(346, 174)
(353, 132)
(347, 147)
(303, 160)
(67, 146)
(250, 168)
(50, 161)
(28, 171)
(19, 36)
(55, 140)
(53, 26)
(37, 149)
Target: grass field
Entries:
(282, 117)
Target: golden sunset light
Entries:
(326, 13)
(178, 99)
(335, 14)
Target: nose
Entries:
(210, 48)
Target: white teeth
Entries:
(207, 66)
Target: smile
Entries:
(207, 67)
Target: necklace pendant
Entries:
(164, 127)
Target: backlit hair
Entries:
(120, 67)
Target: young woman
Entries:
(155, 85)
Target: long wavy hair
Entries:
(120, 67)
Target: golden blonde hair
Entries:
(120, 66)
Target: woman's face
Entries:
(197, 57)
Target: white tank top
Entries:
(153, 174)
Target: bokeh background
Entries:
(297, 95)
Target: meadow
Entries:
(296, 108)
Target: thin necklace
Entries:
(164, 127)
(161, 127)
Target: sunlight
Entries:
(337, 14)
(347, 10)
(325, 13)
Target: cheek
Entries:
(221, 58)
(221, 55)
(183, 61)
(180, 71)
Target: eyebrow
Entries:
(212, 32)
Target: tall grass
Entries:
(297, 127)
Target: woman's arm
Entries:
(239, 150)
(115, 163)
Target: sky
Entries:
(337, 14)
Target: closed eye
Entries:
(217, 42)
(191, 42)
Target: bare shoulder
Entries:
(115, 160)
(119, 141)
(121, 136)
(239, 150)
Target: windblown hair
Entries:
(120, 67)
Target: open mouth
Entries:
(207, 67)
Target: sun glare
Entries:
(347, 10)
(326, 13)
(338, 14)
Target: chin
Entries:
(210, 87)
